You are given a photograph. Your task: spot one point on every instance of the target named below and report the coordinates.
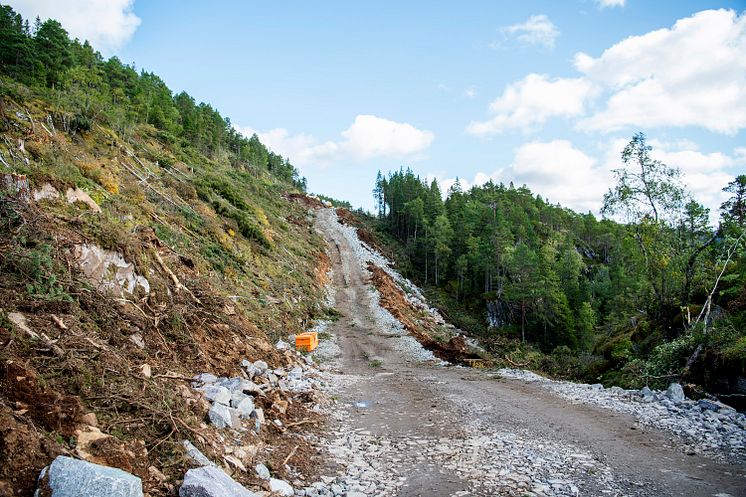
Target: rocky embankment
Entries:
(703, 426)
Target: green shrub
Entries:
(37, 269)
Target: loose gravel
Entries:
(704, 426)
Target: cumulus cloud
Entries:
(556, 170)
(610, 3)
(368, 137)
(562, 173)
(534, 99)
(107, 24)
(536, 30)
(693, 74)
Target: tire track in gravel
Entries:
(413, 428)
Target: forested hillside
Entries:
(626, 303)
(85, 90)
(142, 241)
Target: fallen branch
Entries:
(298, 423)
(179, 285)
(59, 322)
(292, 453)
(173, 377)
(515, 364)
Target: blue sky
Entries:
(538, 92)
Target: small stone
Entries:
(261, 366)
(223, 416)
(281, 487)
(262, 471)
(216, 394)
(195, 454)
(68, 477)
(137, 340)
(258, 414)
(708, 405)
(245, 407)
(206, 378)
(146, 370)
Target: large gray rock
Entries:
(209, 481)
(68, 477)
(223, 416)
(675, 392)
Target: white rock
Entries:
(281, 487)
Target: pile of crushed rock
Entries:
(705, 426)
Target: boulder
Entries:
(46, 192)
(236, 398)
(68, 477)
(209, 481)
(675, 392)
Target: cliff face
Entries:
(127, 267)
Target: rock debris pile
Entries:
(706, 427)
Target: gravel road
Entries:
(410, 427)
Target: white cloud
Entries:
(107, 24)
(610, 3)
(534, 99)
(556, 170)
(470, 92)
(693, 74)
(536, 30)
(368, 137)
(371, 136)
(564, 174)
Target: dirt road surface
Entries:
(449, 431)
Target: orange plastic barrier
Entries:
(307, 341)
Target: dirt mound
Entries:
(308, 201)
(420, 324)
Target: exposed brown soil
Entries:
(305, 200)
(420, 324)
(348, 218)
(45, 396)
(24, 451)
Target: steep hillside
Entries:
(128, 266)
